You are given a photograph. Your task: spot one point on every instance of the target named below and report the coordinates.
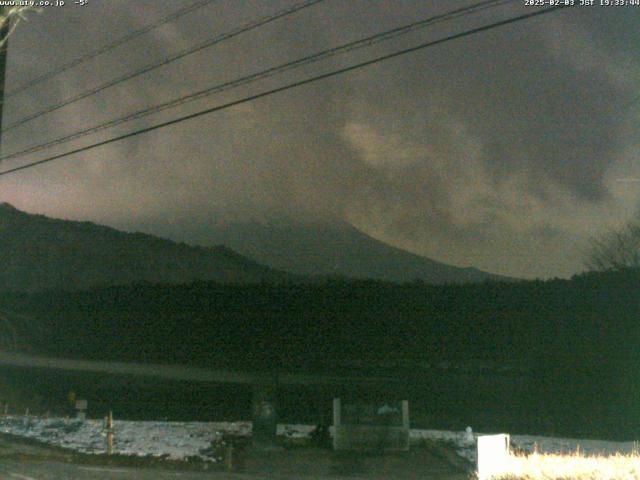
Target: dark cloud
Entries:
(495, 151)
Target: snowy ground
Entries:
(466, 444)
(175, 440)
(182, 440)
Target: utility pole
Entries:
(4, 37)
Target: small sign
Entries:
(81, 404)
(493, 455)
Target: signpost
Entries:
(81, 407)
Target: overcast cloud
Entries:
(504, 151)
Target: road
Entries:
(287, 467)
(180, 372)
(15, 470)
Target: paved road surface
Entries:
(180, 372)
(13, 470)
(261, 470)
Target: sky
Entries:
(506, 150)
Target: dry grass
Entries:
(540, 466)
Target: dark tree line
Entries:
(579, 338)
(591, 318)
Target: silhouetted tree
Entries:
(616, 250)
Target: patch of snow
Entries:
(183, 440)
(176, 440)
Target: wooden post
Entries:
(337, 422)
(110, 433)
(229, 456)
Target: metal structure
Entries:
(381, 426)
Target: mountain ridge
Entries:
(329, 248)
(39, 253)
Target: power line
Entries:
(110, 46)
(269, 72)
(172, 58)
(289, 86)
